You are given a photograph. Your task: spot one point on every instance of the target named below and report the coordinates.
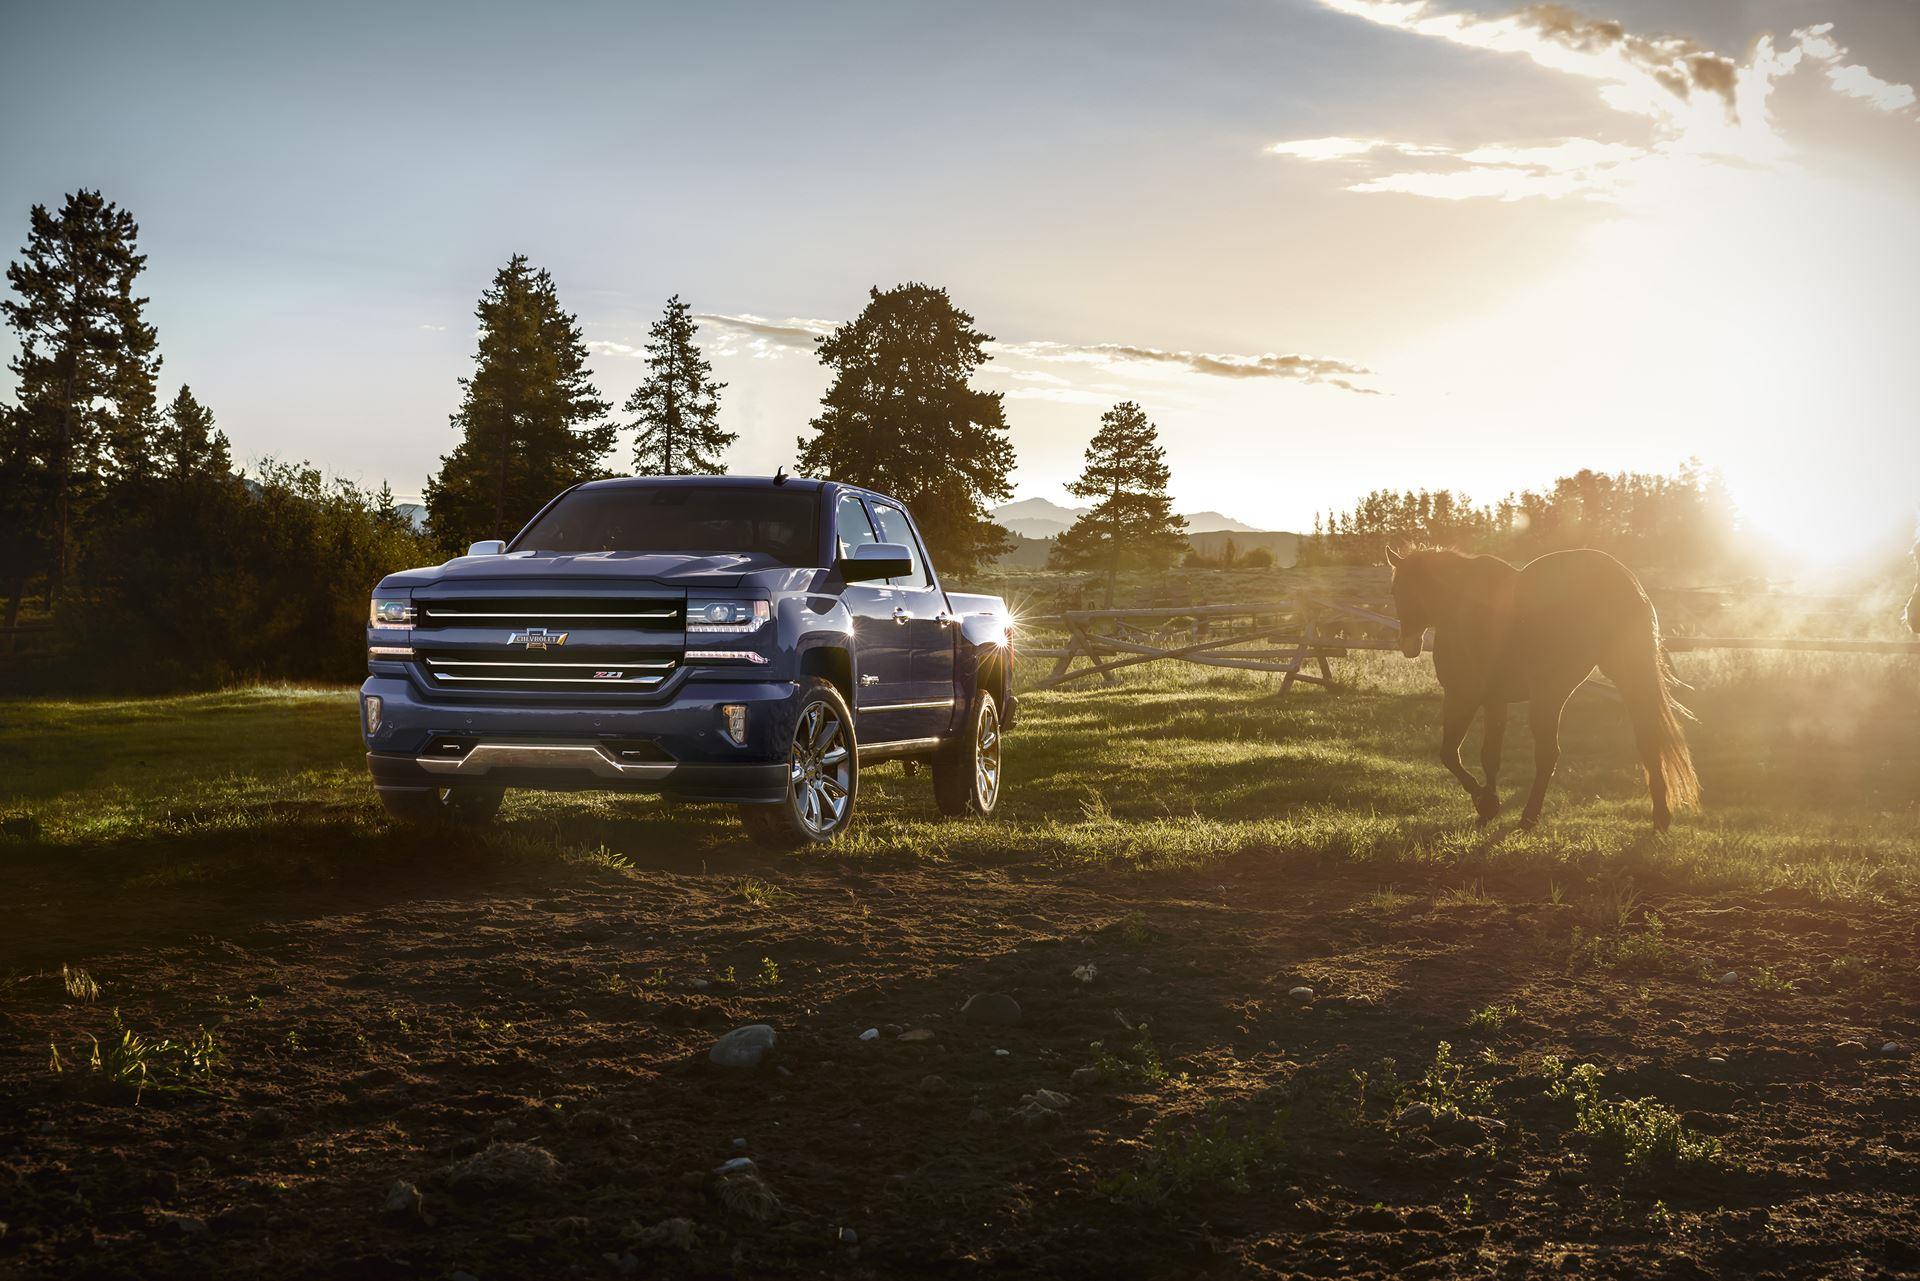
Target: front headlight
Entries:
(390, 613)
(736, 617)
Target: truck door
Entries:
(882, 648)
(929, 627)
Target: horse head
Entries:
(1413, 599)
(1912, 614)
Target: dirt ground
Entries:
(416, 1028)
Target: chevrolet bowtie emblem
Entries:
(536, 638)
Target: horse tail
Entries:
(1646, 682)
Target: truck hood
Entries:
(725, 569)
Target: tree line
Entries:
(129, 536)
(1685, 520)
(134, 554)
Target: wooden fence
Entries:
(1295, 637)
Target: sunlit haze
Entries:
(1331, 245)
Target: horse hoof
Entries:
(1528, 824)
(1661, 822)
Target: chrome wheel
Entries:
(820, 770)
(986, 757)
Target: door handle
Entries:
(869, 679)
(901, 616)
(945, 619)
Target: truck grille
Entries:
(623, 613)
(548, 644)
(535, 672)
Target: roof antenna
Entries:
(780, 474)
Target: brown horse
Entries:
(1912, 613)
(1503, 635)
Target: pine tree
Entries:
(88, 363)
(189, 445)
(531, 422)
(679, 404)
(1131, 521)
(901, 418)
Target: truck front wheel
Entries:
(966, 773)
(823, 776)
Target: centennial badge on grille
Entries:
(536, 638)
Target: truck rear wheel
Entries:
(823, 776)
(444, 806)
(966, 772)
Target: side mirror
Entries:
(487, 547)
(871, 561)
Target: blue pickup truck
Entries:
(745, 640)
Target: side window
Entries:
(896, 528)
(851, 528)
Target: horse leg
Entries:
(1493, 737)
(1457, 713)
(1549, 700)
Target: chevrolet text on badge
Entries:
(536, 638)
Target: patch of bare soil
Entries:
(504, 1072)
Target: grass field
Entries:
(242, 1006)
(1809, 765)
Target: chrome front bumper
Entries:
(484, 758)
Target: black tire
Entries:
(444, 807)
(823, 776)
(968, 770)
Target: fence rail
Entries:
(1297, 638)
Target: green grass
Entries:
(1808, 763)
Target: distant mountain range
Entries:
(1040, 518)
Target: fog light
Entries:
(735, 717)
(371, 706)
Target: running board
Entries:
(897, 748)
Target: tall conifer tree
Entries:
(531, 423)
(1131, 522)
(87, 367)
(678, 406)
(901, 418)
(189, 445)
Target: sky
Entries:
(1329, 245)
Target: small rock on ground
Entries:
(1304, 995)
(503, 1167)
(743, 1047)
(1033, 1114)
(915, 1034)
(403, 1201)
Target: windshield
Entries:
(782, 524)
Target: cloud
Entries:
(1851, 79)
(795, 333)
(614, 348)
(434, 329)
(1348, 148)
(1702, 106)
(1308, 369)
(1550, 170)
(759, 336)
